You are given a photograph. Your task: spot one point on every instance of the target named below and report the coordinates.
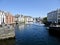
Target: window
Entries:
(58, 20)
(58, 16)
(58, 13)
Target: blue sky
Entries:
(34, 8)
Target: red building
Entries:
(10, 19)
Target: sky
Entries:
(34, 8)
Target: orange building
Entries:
(10, 19)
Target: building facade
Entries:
(10, 19)
(2, 17)
(54, 16)
(28, 19)
(21, 18)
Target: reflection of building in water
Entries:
(21, 27)
(29, 23)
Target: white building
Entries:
(28, 19)
(24, 19)
(54, 16)
(2, 17)
(21, 18)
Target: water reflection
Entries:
(29, 22)
(55, 33)
(7, 42)
(31, 34)
(35, 34)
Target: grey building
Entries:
(54, 16)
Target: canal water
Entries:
(32, 34)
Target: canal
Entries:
(32, 34)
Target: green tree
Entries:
(44, 20)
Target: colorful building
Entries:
(10, 19)
(23, 19)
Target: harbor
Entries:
(30, 34)
(36, 34)
(29, 22)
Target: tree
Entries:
(44, 20)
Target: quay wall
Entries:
(6, 32)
